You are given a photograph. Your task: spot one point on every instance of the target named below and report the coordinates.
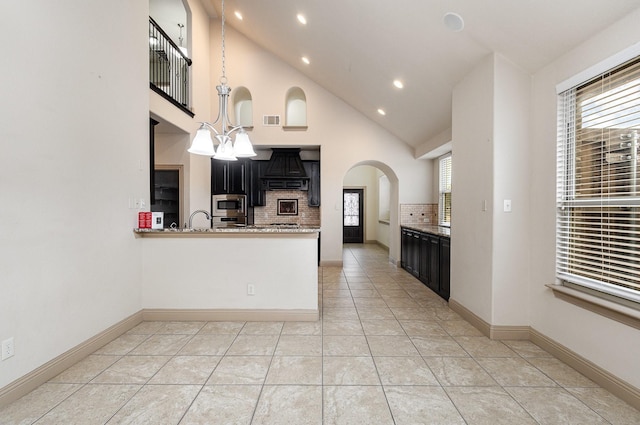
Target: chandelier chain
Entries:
(223, 79)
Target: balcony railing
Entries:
(168, 68)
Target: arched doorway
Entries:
(375, 186)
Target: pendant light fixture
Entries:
(202, 143)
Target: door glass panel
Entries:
(351, 209)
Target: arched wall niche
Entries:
(296, 108)
(242, 106)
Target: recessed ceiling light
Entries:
(306, 60)
(381, 111)
(453, 21)
(238, 15)
(398, 84)
(301, 19)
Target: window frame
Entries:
(444, 192)
(568, 202)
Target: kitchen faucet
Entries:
(206, 213)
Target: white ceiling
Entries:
(358, 47)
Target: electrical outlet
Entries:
(7, 348)
(251, 289)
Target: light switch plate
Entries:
(507, 205)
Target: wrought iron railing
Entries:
(168, 68)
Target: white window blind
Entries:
(598, 196)
(444, 201)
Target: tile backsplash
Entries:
(419, 214)
(307, 216)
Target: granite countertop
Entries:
(235, 229)
(429, 228)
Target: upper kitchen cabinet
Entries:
(257, 196)
(312, 169)
(243, 107)
(296, 109)
(229, 176)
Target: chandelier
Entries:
(202, 143)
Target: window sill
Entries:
(612, 310)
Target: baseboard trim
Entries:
(59, 364)
(618, 387)
(230, 315)
(331, 263)
(610, 382)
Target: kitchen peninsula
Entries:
(230, 273)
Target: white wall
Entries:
(472, 183)
(607, 343)
(74, 118)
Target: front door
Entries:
(353, 217)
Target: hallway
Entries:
(386, 351)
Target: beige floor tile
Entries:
(407, 313)
(365, 293)
(146, 328)
(400, 302)
(256, 345)
(394, 291)
(208, 345)
(299, 345)
(340, 313)
(250, 370)
(438, 346)
(262, 328)
(565, 408)
(336, 293)
(355, 405)
(459, 371)
(459, 328)
(132, 370)
(30, 407)
(295, 370)
(375, 313)
(526, 349)
(223, 405)
(421, 405)
(289, 404)
(342, 327)
(369, 303)
(185, 328)
(85, 370)
(161, 345)
(122, 345)
(186, 370)
(302, 328)
(515, 372)
(422, 328)
(445, 313)
(155, 404)
(564, 375)
(92, 404)
(391, 345)
(488, 406)
(222, 328)
(404, 371)
(349, 371)
(382, 327)
(481, 346)
(339, 345)
(607, 405)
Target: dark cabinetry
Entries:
(229, 176)
(257, 196)
(312, 168)
(427, 257)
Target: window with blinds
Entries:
(598, 198)
(444, 201)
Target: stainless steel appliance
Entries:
(228, 210)
(227, 205)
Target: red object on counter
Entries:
(144, 220)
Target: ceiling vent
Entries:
(270, 120)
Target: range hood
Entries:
(285, 171)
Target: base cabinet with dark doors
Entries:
(427, 256)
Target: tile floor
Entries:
(387, 351)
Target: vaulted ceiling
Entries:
(357, 48)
